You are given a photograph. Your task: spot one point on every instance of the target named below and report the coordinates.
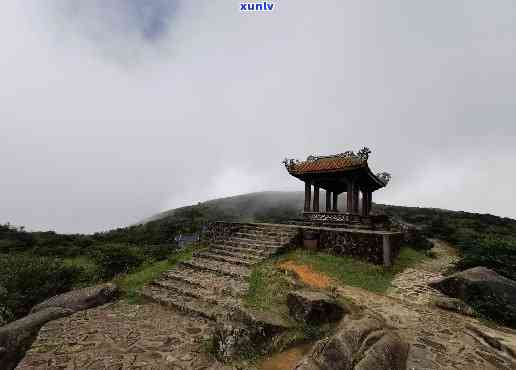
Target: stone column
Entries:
(335, 202)
(387, 261)
(308, 195)
(316, 199)
(328, 201)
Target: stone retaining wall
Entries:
(378, 247)
(375, 247)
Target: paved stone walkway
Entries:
(412, 284)
(122, 336)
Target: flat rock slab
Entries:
(314, 307)
(122, 336)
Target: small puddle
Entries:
(286, 360)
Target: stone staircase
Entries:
(216, 278)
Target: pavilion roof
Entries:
(334, 163)
(326, 168)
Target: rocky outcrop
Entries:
(483, 289)
(244, 332)
(17, 337)
(361, 343)
(81, 299)
(314, 308)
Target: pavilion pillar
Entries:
(369, 203)
(335, 201)
(308, 195)
(355, 199)
(349, 194)
(328, 201)
(365, 202)
(316, 199)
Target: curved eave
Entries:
(372, 180)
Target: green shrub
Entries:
(157, 252)
(113, 259)
(491, 251)
(29, 280)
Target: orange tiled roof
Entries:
(327, 164)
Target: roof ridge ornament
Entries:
(364, 153)
(384, 177)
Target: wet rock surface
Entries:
(314, 307)
(364, 342)
(245, 331)
(485, 290)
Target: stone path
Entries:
(122, 336)
(150, 336)
(412, 284)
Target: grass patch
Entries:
(130, 284)
(350, 271)
(268, 289)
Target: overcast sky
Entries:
(113, 110)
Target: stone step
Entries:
(254, 241)
(268, 234)
(263, 237)
(261, 247)
(218, 267)
(254, 251)
(224, 251)
(269, 229)
(183, 288)
(222, 258)
(221, 285)
(188, 305)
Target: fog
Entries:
(114, 110)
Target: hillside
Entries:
(483, 239)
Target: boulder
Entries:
(81, 299)
(314, 307)
(360, 343)
(243, 332)
(487, 292)
(17, 337)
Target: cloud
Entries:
(112, 111)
